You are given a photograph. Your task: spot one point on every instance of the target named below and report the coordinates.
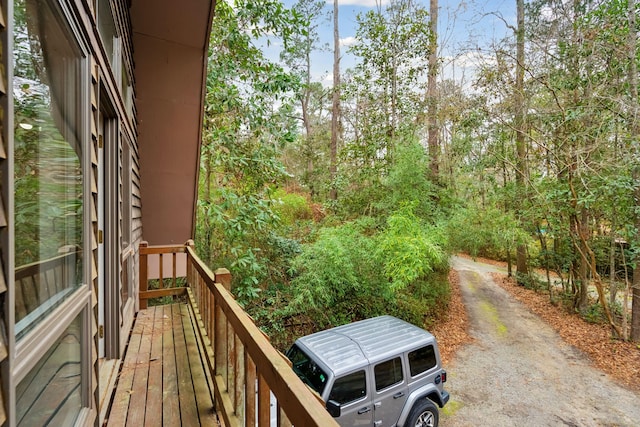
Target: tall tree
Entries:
(432, 96)
(298, 57)
(634, 127)
(335, 109)
(521, 151)
(388, 80)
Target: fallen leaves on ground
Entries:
(617, 358)
(452, 331)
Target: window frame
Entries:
(28, 351)
(410, 366)
(342, 377)
(396, 370)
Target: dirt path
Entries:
(518, 372)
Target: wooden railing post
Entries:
(144, 281)
(223, 276)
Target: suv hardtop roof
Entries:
(350, 346)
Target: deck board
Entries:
(163, 381)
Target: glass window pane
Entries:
(308, 371)
(421, 360)
(50, 394)
(48, 170)
(388, 373)
(349, 388)
(107, 28)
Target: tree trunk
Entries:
(588, 264)
(635, 135)
(432, 96)
(522, 268)
(335, 111)
(583, 231)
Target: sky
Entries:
(465, 29)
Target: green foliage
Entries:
(291, 207)
(337, 267)
(243, 133)
(407, 181)
(407, 250)
(355, 271)
(485, 232)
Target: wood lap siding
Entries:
(4, 238)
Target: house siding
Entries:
(4, 214)
(109, 90)
(102, 79)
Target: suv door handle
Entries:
(398, 395)
(364, 410)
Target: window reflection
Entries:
(48, 170)
(50, 394)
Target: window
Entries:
(50, 393)
(126, 90)
(421, 360)
(107, 29)
(349, 388)
(48, 168)
(388, 373)
(307, 369)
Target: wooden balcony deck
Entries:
(163, 381)
(183, 360)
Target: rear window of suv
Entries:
(421, 360)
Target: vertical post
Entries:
(144, 282)
(249, 390)
(190, 277)
(240, 382)
(264, 404)
(223, 276)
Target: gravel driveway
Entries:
(518, 372)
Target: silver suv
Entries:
(379, 372)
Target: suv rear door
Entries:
(390, 392)
(354, 397)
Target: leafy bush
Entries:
(408, 250)
(487, 232)
(291, 207)
(353, 271)
(336, 268)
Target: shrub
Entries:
(291, 207)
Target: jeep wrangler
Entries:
(381, 372)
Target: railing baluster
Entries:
(220, 349)
(231, 364)
(144, 276)
(264, 405)
(211, 317)
(239, 377)
(160, 268)
(249, 390)
(175, 269)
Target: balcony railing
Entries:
(247, 370)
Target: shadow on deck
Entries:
(163, 380)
